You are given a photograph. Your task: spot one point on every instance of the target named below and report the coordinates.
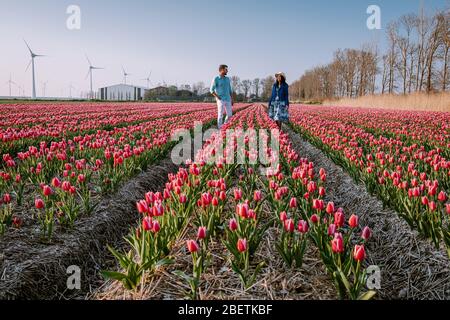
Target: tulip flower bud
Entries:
(331, 229)
(257, 196)
(322, 191)
(201, 234)
(366, 233)
(289, 225)
(432, 206)
(242, 245)
(39, 203)
(447, 208)
(303, 226)
(359, 253)
(233, 225)
(330, 208)
(142, 206)
(283, 216)
(237, 194)
(242, 210)
(314, 218)
(56, 182)
(156, 226)
(215, 202)
(425, 201)
(192, 246)
(442, 197)
(6, 198)
(353, 221)
(337, 244)
(183, 198)
(147, 224)
(47, 191)
(293, 203)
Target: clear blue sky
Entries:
(182, 41)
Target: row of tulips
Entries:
(67, 174)
(222, 202)
(407, 177)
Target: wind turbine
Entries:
(70, 89)
(125, 74)
(44, 86)
(10, 82)
(91, 67)
(148, 80)
(33, 55)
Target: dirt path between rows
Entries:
(411, 268)
(31, 270)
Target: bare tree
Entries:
(236, 84)
(246, 85)
(256, 86)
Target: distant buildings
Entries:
(122, 92)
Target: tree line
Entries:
(416, 60)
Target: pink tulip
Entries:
(359, 253)
(39, 203)
(192, 246)
(242, 245)
(293, 203)
(353, 221)
(442, 196)
(289, 225)
(337, 244)
(233, 225)
(366, 233)
(201, 234)
(303, 226)
(257, 196)
(330, 208)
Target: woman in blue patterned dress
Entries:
(279, 101)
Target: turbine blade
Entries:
(28, 46)
(28, 65)
(89, 61)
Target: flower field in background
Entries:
(402, 157)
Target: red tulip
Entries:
(215, 202)
(147, 223)
(156, 226)
(56, 182)
(293, 203)
(6, 198)
(192, 246)
(425, 201)
(432, 206)
(339, 218)
(337, 244)
(47, 191)
(366, 233)
(222, 196)
(39, 203)
(330, 208)
(314, 218)
(322, 191)
(242, 245)
(289, 225)
(353, 221)
(201, 234)
(303, 226)
(237, 194)
(447, 208)
(359, 253)
(442, 196)
(142, 206)
(331, 229)
(242, 210)
(233, 225)
(183, 198)
(283, 216)
(257, 196)
(81, 178)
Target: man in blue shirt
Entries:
(222, 91)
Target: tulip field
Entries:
(263, 227)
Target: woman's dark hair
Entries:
(283, 80)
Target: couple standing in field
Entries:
(278, 106)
